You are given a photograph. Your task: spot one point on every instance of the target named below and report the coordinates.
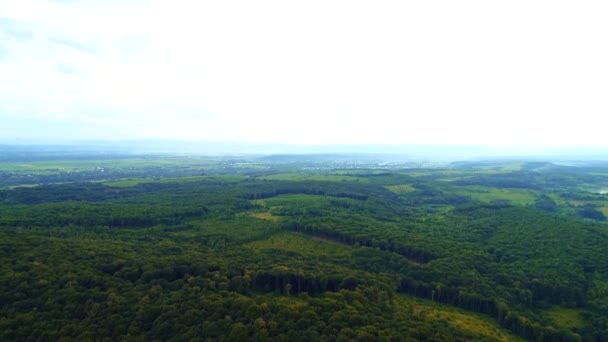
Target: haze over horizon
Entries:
(517, 73)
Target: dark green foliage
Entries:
(545, 202)
(179, 260)
(589, 212)
(518, 180)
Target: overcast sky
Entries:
(306, 72)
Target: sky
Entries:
(306, 72)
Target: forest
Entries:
(301, 248)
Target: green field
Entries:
(567, 318)
(239, 229)
(476, 327)
(313, 177)
(46, 167)
(295, 200)
(266, 216)
(133, 182)
(400, 188)
(487, 194)
(302, 244)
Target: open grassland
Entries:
(427, 173)
(355, 172)
(313, 177)
(557, 198)
(302, 244)
(136, 181)
(293, 200)
(400, 188)
(567, 318)
(602, 205)
(478, 327)
(502, 167)
(23, 186)
(241, 228)
(487, 194)
(266, 216)
(54, 166)
(454, 174)
(410, 313)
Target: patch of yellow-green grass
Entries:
(557, 198)
(400, 188)
(57, 166)
(453, 179)
(450, 172)
(512, 166)
(261, 202)
(294, 200)
(23, 186)
(351, 172)
(416, 173)
(566, 317)
(44, 167)
(409, 310)
(239, 228)
(475, 325)
(126, 183)
(314, 177)
(576, 203)
(499, 167)
(302, 244)
(123, 183)
(602, 205)
(487, 194)
(266, 216)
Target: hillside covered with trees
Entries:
(230, 249)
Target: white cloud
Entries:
(310, 72)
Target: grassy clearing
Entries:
(557, 198)
(124, 183)
(603, 205)
(500, 167)
(477, 326)
(512, 166)
(302, 244)
(486, 194)
(42, 167)
(267, 216)
(23, 186)
(127, 183)
(453, 179)
(451, 175)
(241, 228)
(293, 200)
(409, 310)
(566, 317)
(47, 167)
(400, 188)
(351, 172)
(313, 177)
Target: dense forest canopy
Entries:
(301, 248)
